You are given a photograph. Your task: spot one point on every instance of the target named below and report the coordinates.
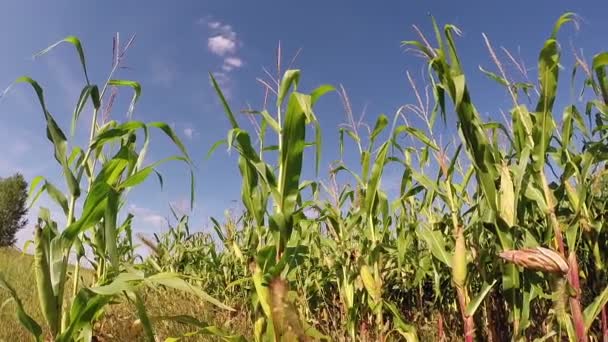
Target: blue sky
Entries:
(353, 43)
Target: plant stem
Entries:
(604, 324)
(459, 265)
(76, 275)
(573, 277)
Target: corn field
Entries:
(497, 235)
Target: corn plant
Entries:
(514, 187)
(281, 185)
(496, 235)
(99, 176)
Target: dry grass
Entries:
(117, 323)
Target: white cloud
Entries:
(148, 216)
(223, 42)
(232, 63)
(223, 39)
(214, 25)
(221, 45)
(189, 132)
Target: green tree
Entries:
(13, 197)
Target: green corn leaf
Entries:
(436, 242)
(142, 313)
(599, 64)
(440, 50)
(57, 266)
(507, 196)
(76, 156)
(271, 121)
(53, 132)
(262, 291)
(57, 196)
(203, 328)
(88, 91)
(26, 320)
(563, 19)
(548, 66)
(192, 187)
(381, 124)
(85, 308)
(535, 194)
(373, 184)
(421, 47)
(171, 134)
(215, 146)
(522, 310)
(418, 134)
(318, 146)
(93, 210)
(110, 233)
(594, 309)
(144, 149)
(227, 109)
(112, 171)
(567, 121)
(292, 151)
(33, 185)
(71, 181)
(475, 302)
(42, 270)
(124, 282)
(141, 175)
(76, 43)
(365, 161)
(174, 281)
(136, 89)
(316, 94)
(110, 133)
(453, 163)
(408, 331)
(519, 173)
(454, 60)
(290, 78)
(495, 77)
(370, 283)
(352, 135)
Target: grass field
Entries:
(118, 322)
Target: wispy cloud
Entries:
(224, 42)
(231, 63)
(148, 216)
(221, 45)
(189, 132)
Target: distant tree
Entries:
(13, 197)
